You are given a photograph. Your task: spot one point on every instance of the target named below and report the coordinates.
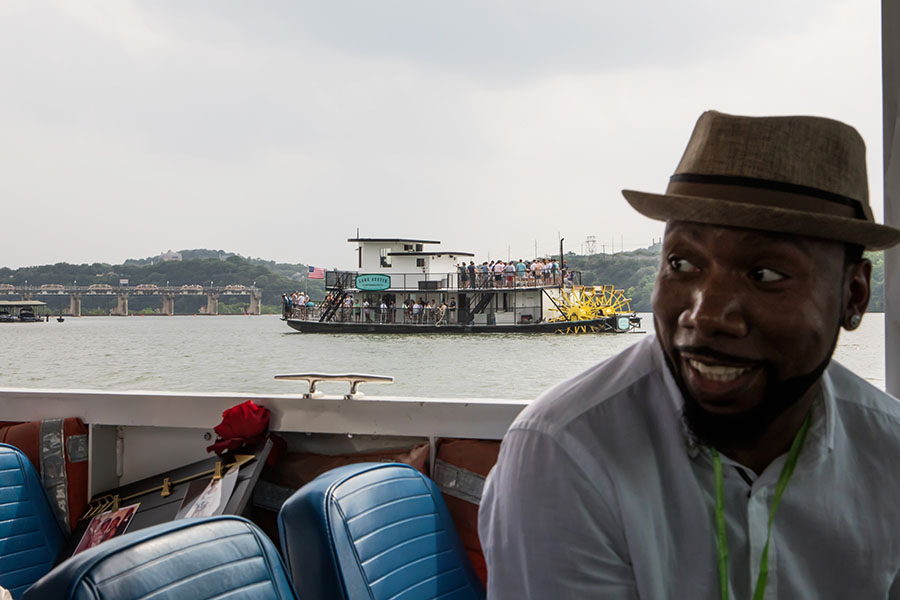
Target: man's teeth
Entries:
(718, 372)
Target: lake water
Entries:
(241, 354)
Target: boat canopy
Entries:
(397, 240)
(20, 303)
(420, 253)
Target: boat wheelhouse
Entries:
(402, 287)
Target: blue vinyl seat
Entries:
(227, 558)
(30, 535)
(374, 531)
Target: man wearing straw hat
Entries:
(727, 456)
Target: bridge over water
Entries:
(166, 294)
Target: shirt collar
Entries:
(822, 425)
(674, 392)
(819, 440)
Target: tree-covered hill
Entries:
(633, 272)
(203, 267)
(297, 272)
(877, 302)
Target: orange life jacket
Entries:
(58, 449)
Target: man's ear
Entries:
(857, 292)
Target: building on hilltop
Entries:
(170, 256)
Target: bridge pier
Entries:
(75, 305)
(212, 303)
(122, 304)
(255, 302)
(168, 307)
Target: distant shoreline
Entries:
(65, 316)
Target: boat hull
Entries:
(606, 324)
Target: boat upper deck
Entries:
(446, 282)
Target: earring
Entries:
(853, 321)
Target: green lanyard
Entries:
(721, 541)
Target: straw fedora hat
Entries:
(801, 175)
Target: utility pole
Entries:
(561, 255)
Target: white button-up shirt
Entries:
(599, 493)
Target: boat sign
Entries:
(374, 282)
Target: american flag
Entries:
(316, 273)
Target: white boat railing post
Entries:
(890, 53)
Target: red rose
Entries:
(241, 424)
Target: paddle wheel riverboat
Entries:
(402, 288)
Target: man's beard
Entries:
(746, 429)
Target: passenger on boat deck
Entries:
(520, 271)
(536, 268)
(302, 304)
(726, 455)
(510, 270)
(498, 273)
(346, 307)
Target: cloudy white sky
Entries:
(276, 129)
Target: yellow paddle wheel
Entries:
(585, 303)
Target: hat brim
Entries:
(671, 207)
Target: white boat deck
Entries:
(135, 434)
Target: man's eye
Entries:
(681, 265)
(764, 275)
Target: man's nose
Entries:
(716, 309)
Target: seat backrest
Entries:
(374, 531)
(30, 535)
(222, 557)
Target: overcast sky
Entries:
(276, 129)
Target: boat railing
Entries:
(458, 281)
(426, 316)
(133, 434)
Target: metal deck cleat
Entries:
(354, 379)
